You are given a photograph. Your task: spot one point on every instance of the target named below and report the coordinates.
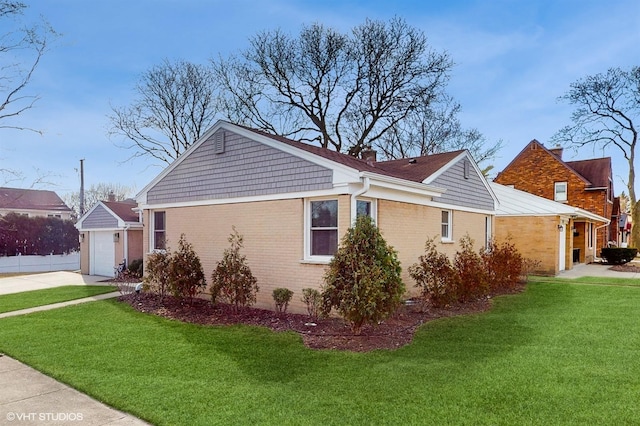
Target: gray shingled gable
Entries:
(100, 218)
(245, 168)
(470, 193)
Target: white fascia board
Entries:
(402, 185)
(336, 190)
(455, 207)
(580, 213)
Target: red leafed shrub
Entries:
(435, 276)
(471, 275)
(470, 271)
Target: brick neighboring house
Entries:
(33, 203)
(586, 184)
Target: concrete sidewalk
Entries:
(21, 283)
(28, 397)
(60, 304)
(596, 270)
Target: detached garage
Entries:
(110, 232)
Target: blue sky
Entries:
(513, 59)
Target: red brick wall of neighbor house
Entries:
(536, 171)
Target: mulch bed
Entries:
(326, 333)
(627, 267)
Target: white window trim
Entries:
(374, 207)
(448, 238)
(555, 192)
(308, 257)
(152, 233)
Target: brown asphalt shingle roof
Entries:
(31, 199)
(123, 210)
(417, 171)
(596, 171)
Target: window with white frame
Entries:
(560, 191)
(159, 231)
(446, 228)
(487, 231)
(363, 207)
(590, 235)
(323, 230)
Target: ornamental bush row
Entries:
(362, 282)
(496, 268)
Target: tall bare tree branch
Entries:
(606, 115)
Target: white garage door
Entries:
(102, 253)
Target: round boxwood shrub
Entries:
(618, 255)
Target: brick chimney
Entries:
(557, 151)
(111, 196)
(369, 155)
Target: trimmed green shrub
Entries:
(313, 299)
(186, 276)
(232, 280)
(282, 297)
(363, 280)
(618, 255)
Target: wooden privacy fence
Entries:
(49, 263)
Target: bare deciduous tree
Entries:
(176, 102)
(344, 92)
(607, 109)
(21, 49)
(98, 192)
(434, 127)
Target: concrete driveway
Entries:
(21, 283)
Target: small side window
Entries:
(159, 231)
(560, 191)
(446, 230)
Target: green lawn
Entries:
(30, 299)
(558, 353)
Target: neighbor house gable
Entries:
(108, 216)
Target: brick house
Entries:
(293, 202)
(586, 184)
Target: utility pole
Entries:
(81, 187)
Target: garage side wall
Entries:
(535, 238)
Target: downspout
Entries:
(354, 202)
(126, 245)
